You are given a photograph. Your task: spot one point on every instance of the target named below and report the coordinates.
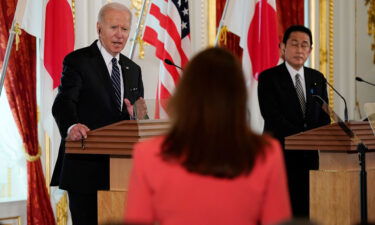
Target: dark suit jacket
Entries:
(279, 104)
(86, 96)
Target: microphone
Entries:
(362, 80)
(342, 97)
(169, 62)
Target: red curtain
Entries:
(289, 12)
(20, 83)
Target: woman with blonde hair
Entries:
(210, 168)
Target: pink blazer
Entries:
(167, 193)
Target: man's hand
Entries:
(78, 132)
(140, 107)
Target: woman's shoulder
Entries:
(148, 147)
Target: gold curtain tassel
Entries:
(18, 32)
(223, 37)
(32, 158)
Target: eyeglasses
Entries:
(303, 45)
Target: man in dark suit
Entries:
(99, 86)
(289, 105)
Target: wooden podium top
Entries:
(117, 138)
(332, 138)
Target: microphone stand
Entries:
(362, 80)
(361, 148)
(342, 97)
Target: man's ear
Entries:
(282, 47)
(98, 28)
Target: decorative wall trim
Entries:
(326, 44)
(371, 23)
(331, 78)
(15, 220)
(62, 210)
(312, 22)
(47, 145)
(204, 20)
(74, 13)
(211, 22)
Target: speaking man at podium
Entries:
(98, 87)
(288, 106)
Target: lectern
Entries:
(116, 140)
(334, 188)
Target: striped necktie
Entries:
(300, 94)
(116, 82)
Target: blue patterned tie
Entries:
(300, 94)
(116, 82)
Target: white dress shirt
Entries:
(293, 73)
(108, 62)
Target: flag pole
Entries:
(7, 55)
(221, 24)
(131, 53)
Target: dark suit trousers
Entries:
(299, 164)
(83, 208)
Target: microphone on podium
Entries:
(342, 97)
(362, 80)
(169, 62)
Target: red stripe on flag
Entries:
(168, 24)
(58, 37)
(161, 53)
(165, 33)
(262, 41)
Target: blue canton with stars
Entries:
(183, 10)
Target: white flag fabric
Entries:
(29, 15)
(255, 22)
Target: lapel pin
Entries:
(127, 67)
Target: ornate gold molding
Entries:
(137, 5)
(211, 22)
(323, 37)
(74, 14)
(331, 78)
(326, 41)
(11, 220)
(47, 145)
(62, 211)
(371, 24)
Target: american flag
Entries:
(167, 28)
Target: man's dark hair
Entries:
(297, 28)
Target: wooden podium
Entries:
(335, 187)
(116, 140)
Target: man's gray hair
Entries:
(114, 6)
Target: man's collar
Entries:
(293, 71)
(106, 55)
